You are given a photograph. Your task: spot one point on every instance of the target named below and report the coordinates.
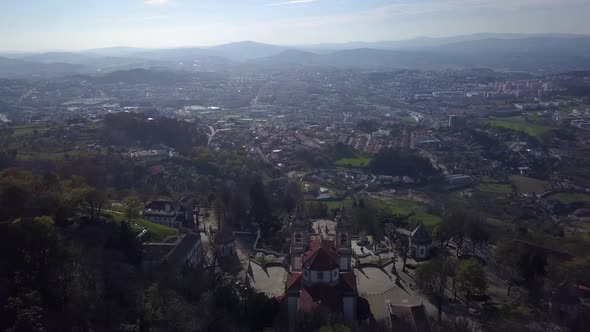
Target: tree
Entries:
(292, 197)
(132, 206)
(402, 244)
(432, 278)
(471, 278)
(443, 233)
(476, 232)
(260, 210)
(93, 200)
(506, 255)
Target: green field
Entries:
(337, 204)
(536, 131)
(156, 233)
(353, 162)
(526, 185)
(497, 188)
(490, 185)
(571, 197)
(413, 211)
(21, 131)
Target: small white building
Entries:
(166, 212)
(419, 242)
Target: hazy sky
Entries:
(81, 24)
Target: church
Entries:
(321, 272)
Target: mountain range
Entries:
(535, 53)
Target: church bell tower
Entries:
(298, 242)
(343, 244)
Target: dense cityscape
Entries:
(428, 184)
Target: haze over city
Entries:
(295, 165)
(32, 25)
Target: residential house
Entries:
(165, 211)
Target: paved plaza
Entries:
(379, 288)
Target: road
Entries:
(213, 132)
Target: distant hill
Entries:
(245, 50)
(516, 52)
(574, 46)
(292, 56)
(21, 68)
(538, 53)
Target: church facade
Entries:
(321, 272)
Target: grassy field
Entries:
(571, 197)
(526, 185)
(413, 211)
(353, 162)
(156, 233)
(536, 131)
(21, 131)
(337, 204)
(490, 185)
(497, 188)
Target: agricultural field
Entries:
(493, 186)
(525, 184)
(354, 162)
(536, 131)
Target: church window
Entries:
(343, 239)
(320, 275)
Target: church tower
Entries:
(343, 244)
(298, 242)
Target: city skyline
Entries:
(28, 25)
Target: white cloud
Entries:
(156, 2)
(292, 2)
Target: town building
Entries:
(459, 181)
(419, 242)
(165, 211)
(456, 121)
(321, 273)
(176, 251)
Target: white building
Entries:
(165, 212)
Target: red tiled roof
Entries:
(322, 294)
(312, 297)
(293, 280)
(322, 256)
(348, 280)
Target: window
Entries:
(335, 275)
(320, 275)
(343, 239)
(298, 238)
(306, 274)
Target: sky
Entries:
(36, 25)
